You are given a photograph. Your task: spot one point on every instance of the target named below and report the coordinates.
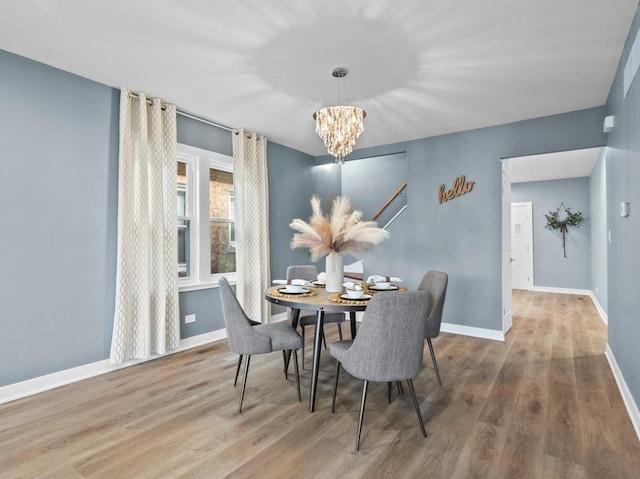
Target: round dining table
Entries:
(319, 300)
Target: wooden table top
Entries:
(317, 302)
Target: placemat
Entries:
(368, 290)
(337, 299)
(274, 292)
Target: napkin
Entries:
(322, 278)
(351, 285)
(376, 278)
(299, 282)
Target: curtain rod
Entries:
(187, 114)
(203, 120)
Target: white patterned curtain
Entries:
(251, 191)
(146, 318)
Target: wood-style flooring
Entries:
(543, 404)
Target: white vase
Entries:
(335, 273)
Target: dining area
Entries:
(386, 346)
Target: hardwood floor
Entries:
(543, 404)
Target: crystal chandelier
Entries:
(339, 126)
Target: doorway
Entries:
(589, 163)
(507, 313)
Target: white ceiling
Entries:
(418, 68)
(554, 166)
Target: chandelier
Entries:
(339, 126)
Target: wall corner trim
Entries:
(627, 398)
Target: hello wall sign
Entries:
(460, 187)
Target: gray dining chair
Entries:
(247, 339)
(435, 284)
(388, 348)
(308, 318)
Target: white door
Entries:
(507, 319)
(521, 246)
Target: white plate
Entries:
(318, 283)
(284, 290)
(364, 296)
(390, 288)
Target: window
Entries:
(221, 216)
(206, 218)
(184, 220)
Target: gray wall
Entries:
(462, 236)
(327, 183)
(291, 186)
(369, 183)
(59, 142)
(550, 267)
(598, 223)
(369, 191)
(623, 177)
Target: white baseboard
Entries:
(551, 289)
(445, 327)
(601, 311)
(632, 407)
(472, 331)
(11, 392)
(22, 389)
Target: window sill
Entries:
(186, 287)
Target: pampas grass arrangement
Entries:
(341, 232)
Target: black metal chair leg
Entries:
(244, 381)
(286, 368)
(295, 316)
(361, 418)
(235, 381)
(302, 328)
(416, 406)
(317, 353)
(295, 363)
(389, 391)
(339, 330)
(352, 324)
(433, 358)
(400, 389)
(324, 340)
(335, 387)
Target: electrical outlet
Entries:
(190, 318)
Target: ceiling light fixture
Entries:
(339, 126)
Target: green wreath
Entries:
(555, 223)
